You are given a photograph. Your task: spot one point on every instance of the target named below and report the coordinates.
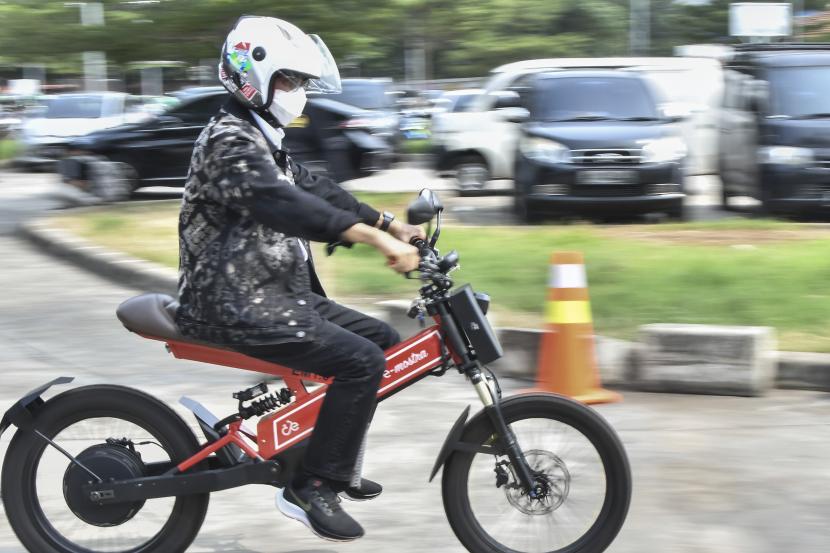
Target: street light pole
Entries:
(95, 63)
(639, 27)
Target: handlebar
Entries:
(433, 267)
(423, 247)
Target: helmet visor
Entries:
(329, 81)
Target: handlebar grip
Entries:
(423, 248)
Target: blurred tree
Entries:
(371, 37)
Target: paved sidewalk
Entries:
(711, 474)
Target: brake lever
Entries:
(332, 246)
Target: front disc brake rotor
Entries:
(554, 484)
(109, 462)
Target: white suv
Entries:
(479, 144)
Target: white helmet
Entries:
(259, 48)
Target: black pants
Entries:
(349, 346)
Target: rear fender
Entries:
(23, 412)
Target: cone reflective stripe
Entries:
(567, 364)
(567, 312)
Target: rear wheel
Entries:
(116, 433)
(582, 469)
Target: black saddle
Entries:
(151, 314)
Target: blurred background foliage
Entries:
(460, 38)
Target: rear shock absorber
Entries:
(266, 404)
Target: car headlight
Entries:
(542, 149)
(785, 155)
(663, 150)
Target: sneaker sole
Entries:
(347, 497)
(294, 512)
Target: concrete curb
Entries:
(803, 371)
(618, 360)
(113, 265)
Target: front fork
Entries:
(506, 438)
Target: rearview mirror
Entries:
(757, 92)
(423, 208)
(507, 99)
(514, 115)
(676, 112)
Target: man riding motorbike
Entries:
(246, 275)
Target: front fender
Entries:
(449, 444)
(469, 436)
(23, 411)
(455, 439)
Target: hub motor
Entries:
(110, 462)
(553, 484)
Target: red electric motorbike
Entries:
(111, 469)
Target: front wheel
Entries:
(572, 451)
(471, 175)
(117, 433)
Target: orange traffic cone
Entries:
(567, 364)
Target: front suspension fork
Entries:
(506, 438)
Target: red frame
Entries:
(283, 428)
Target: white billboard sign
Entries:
(24, 87)
(755, 19)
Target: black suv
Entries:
(774, 127)
(156, 152)
(595, 143)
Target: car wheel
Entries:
(523, 211)
(112, 181)
(724, 188)
(471, 174)
(678, 213)
(724, 198)
(765, 208)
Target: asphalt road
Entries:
(711, 474)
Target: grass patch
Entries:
(753, 273)
(416, 146)
(147, 231)
(8, 148)
(395, 202)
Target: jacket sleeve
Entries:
(324, 187)
(244, 176)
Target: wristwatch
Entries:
(387, 220)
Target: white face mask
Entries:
(287, 106)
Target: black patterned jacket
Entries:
(242, 276)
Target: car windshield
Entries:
(800, 91)
(462, 102)
(591, 99)
(81, 107)
(366, 95)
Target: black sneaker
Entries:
(317, 506)
(365, 491)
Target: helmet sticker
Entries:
(240, 57)
(248, 91)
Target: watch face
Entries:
(387, 220)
